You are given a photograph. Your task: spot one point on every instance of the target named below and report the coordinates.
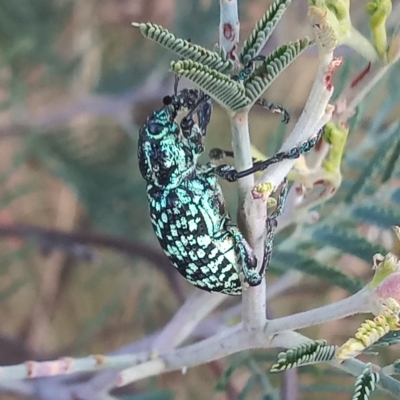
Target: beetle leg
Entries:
(272, 223)
(274, 108)
(248, 261)
(230, 174)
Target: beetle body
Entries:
(187, 207)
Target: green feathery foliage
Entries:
(248, 387)
(380, 215)
(184, 48)
(348, 241)
(225, 377)
(394, 195)
(226, 91)
(365, 384)
(230, 93)
(390, 339)
(392, 165)
(381, 164)
(21, 190)
(308, 265)
(12, 288)
(101, 168)
(153, 395)
(272, 66)
(209, 69)
(28, 34)
(263, 30)
(258, 379)
(308, 353)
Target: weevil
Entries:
(187, 207)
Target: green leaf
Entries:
(268, 391)
(102, 170)
(382, 216)
(263, 30)
(250, 384)
(29, 31)
(365, 384)
(395, 196)
(347, 241)
(227, 92)
(380, 164)
(240, 362)
(309, 265)
(272, 66)
(185, 49)
(159, 395)
(392, 161)
(308, 353)
(12, 288)
(225, 377)
(20, 191)
(327, 388)
(390, 339)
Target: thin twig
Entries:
(229, 27)
(119, 106)
(354, 94)
(198, 306)
(234, 339)
(67, 240)
(253, 299)
(358, 303)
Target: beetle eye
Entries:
(155, 128)
(167, 100)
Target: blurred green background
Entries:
(76, 83)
